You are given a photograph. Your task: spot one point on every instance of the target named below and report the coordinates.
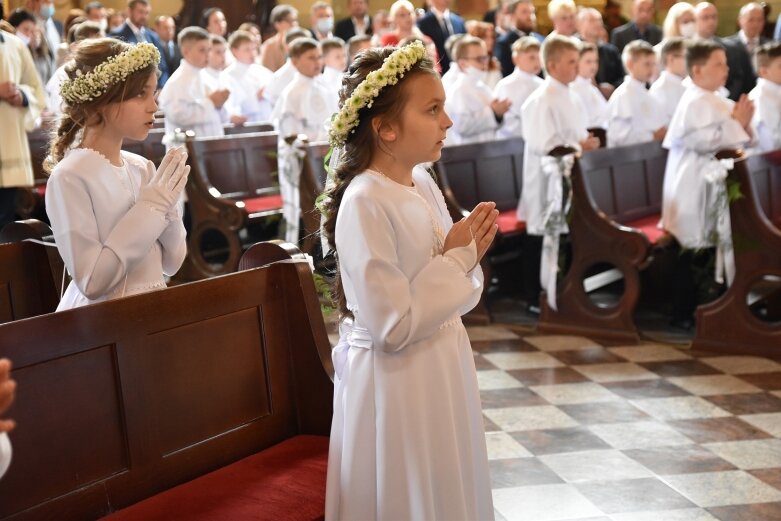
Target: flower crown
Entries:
(393, 68)
(116, 69)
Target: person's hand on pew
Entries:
(260, 92)
(590, 143)
(500, 107)
(7, 392)
(238, 119)
(660, 133)
(163, 188)
(479, 225)
(743, 112)
(219, 97)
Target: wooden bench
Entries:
(216, 388)
(311, 185)
(30, 200)
(488, 171)
(232, 185)
(728, 324)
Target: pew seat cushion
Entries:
(649, 226)
(285, 482)
(508, 222)
(265, 203)
(40, 189)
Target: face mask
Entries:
(324, 25)
(24, 38)
(687, 30)
(47, 11)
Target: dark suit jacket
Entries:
(429, 25)
(503, 50)
(172, 59)
(611, 70)
(742, 77)
(345, 29)
(629, 32)
(125, 33)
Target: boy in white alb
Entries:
(767, 97)
(519, 85)
(187, 101)
(553, 116)
(584, 86)
(476, 114)
(704, 122)
(334, 64)
(634, 116)
(284, 75)
(217, 53)
(247, 80)
(668, 88)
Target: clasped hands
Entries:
(11, 94)
(479, 225)
(163, 188)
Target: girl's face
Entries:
(217, 23)
(134, 117)
(588, 65)
(422, 127)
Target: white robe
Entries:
(407, 437)
(112, 245)
(279, 80)
(517, 87)
(54, 100)
(16, 64)
(767, 114)
(186, 104)
(468, 103)
(633, 115)
(331, 80)
(304, 107)
(244, 81)
(593, 101)
(5, 453)
(702, 125)
(667, 91)
(552, 116)
(492, 78)
(212, 81)
(451, 76)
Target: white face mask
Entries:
(325, 25)
(688, 29)
(24, 38)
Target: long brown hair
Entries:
(360, 145)
(75, 117)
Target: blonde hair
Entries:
(555, 45)
(636, 49)
(401, 4)
(76, 117)
(670, 26)
(460, 47)
(525, 44)
(557, 6)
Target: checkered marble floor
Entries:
(581, 432)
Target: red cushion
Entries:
(41, 189)
(649, 226)
(283, 483)
(508, 222)
(263, 204)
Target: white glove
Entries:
(163, 188)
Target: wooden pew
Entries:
(122, 400)
(616, 205)
(728, 323)
(29, 200)
(488, 171)
(311, 185)
(152, 148)
(232, 185)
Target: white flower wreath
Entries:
(393, 69)
(116, 69)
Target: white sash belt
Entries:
(290, 163)
(556, 170)
(717, 219)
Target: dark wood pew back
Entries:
(248, 128)
(120, 400)
(152, 148)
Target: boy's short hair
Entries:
(765, 54)
(84, 31)
(451, 42)
(698, 52)
(295, 33)
(555, 45)
(557, 6)
(216, 39)
(300, 46)
(239, 37)
(459, 49)
(587, 47)
(636, 49)
(329, 44)
(672, 45)
(525, 44)
(247, 26)
(132, 3)
(355, 41)
(280, 12)
(192, 34)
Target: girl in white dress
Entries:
(407, 439)
(115, 217)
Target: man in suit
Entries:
(640, 27)
(166, 31)
(523, 23)
(741, 77)
(357, 24)
(752, 23)
(439, 24)
(134, 31)
(321, 21)
(611, 71)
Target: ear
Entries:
(384, 130)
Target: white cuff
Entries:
(464, 257)
(5, 453)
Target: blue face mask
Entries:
(324, 25)
(47, 11)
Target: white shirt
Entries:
(552, 116)
(667, 91)
(517, 87)
(633, 114)
(186, 104)
(244, 82)
(468, 103)
(451, 75)
(331, 80)
(593, 101)
(750, 43)
(305, 107)
(5, 453)
(280, 79)
(767, 114)
(701, 126)
(54, 100)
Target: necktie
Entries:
(141, 36)
(447, 27)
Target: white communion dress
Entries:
(407, 438)
(113, 245)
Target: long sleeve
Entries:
(32, 88)
(706, 130)
(5, 453)
(397, 310)
(173, 242)
(186, 106)
(98, 266)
